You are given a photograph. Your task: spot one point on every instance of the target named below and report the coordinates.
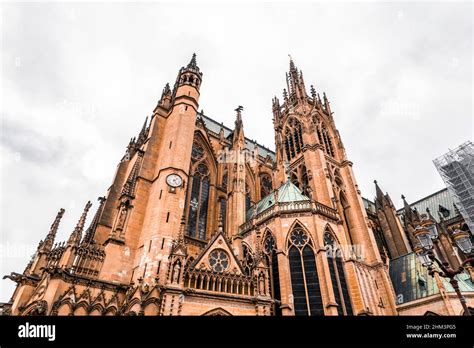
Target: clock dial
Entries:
(174, 180)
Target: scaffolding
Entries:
(457, 170)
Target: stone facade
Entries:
(199, 220)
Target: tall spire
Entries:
(295, 82)
(49, 240)
(89, 236)
(76, 235)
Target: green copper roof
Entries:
(287, 192)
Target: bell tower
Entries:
(307, 138)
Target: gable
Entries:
(218, 256)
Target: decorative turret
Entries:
(188, 81)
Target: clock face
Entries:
(174, 180)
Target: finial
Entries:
(239, 109)
(193, 63)
(375, 182)
(292, 64)
(403, 197)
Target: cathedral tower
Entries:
(201, 220)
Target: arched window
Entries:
(198, 194)
(304, 275)
(338, 277)
(293, 137)
(269, 248)
(265, 185)
(325, 140)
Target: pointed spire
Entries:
(379, 194)
(76, 235)
(90, 232)
(143, 133)
(129, 187)
(193, 64)
(292, 65)
(408, 212)
(49, 240)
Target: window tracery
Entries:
(219, 260)
(304, 275)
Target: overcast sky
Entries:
(79, 80)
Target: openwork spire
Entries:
(76, 235)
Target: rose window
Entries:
(218, 260)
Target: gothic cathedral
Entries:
(200, 220)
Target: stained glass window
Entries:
(304, 275)
(198, 203)
(269, 248)
(338, 278)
